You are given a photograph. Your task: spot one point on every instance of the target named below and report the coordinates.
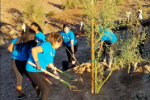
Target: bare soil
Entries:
(120, 85)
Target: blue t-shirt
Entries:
(68, 37)
(40, 37)
(108, 36)
(46, 57)
(20, 55)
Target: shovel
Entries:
(56, 77)
(72, 56)
(66, 74)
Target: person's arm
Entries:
(10, 47)
(146, 40)
(35, 52)
(80, 25)
(51, 66)
(101, 45)
(72, 46)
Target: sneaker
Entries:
(108, 69)
(132, 69)
(73, 66)
(46, 76)
(22, 96)
(38, 98)
(28, 79)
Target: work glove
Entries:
(38, 67)
(73, 55)
(54, 71)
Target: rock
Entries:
(147, 67)
(88, 70)
(113, 87)
(29, 96)
(117, 89)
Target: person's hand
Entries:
(53, 68)
(73, 55)
(38, 67)
(24, 27)
(55, 73)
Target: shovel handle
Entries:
(64, 73)
(56, 77)
(71, 55)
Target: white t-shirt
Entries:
(140, 17)
(140, 10)
(81, 23)
(128, 13)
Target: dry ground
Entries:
(120, 86)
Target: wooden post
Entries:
(92, 51)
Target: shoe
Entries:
(108, 69)
(38, 98)
(22, 97)
(28, 79)
(132, 69)
(46, 76)
(73, 66)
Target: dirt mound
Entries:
(83, 68)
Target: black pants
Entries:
(39, 79)
(19, 69)
(70, 59)
(140, 48)
(105, 46)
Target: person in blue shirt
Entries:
(43, 56)
(70, 42)
(40, 37)
(108, 38)
(21, 49)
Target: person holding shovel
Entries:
(43, 56)
(21, 48)
(70, 43)
(108, 38)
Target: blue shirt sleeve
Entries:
(40, 37)
(14, 41)
(45, 47)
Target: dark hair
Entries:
(54, 37)
(66, 25)
(39, 28)
(27, 40)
